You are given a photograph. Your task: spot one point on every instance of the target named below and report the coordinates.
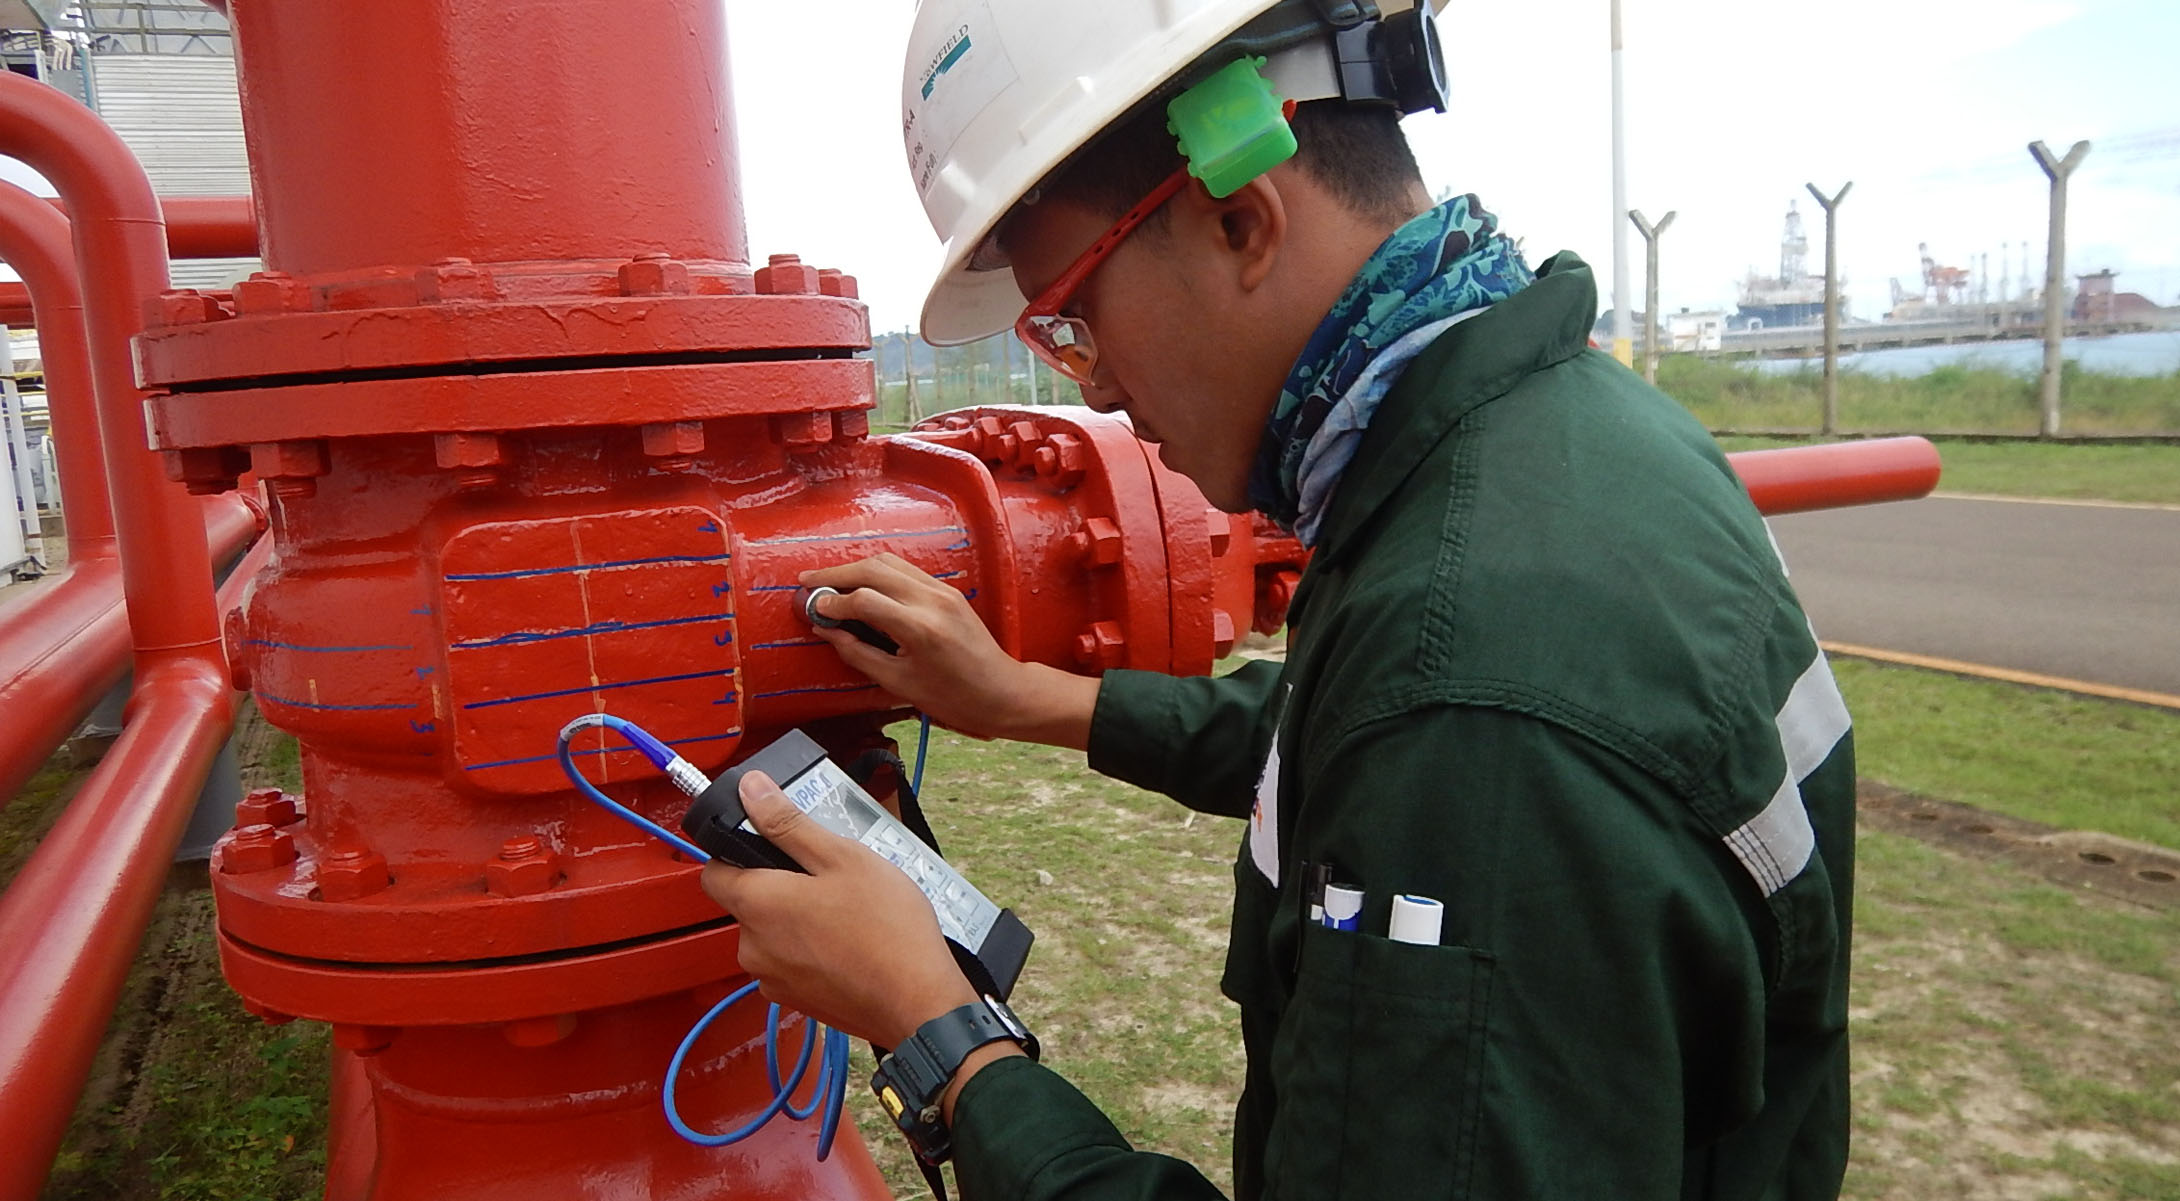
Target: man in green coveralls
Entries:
(1544, 667)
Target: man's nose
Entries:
(1104, 395)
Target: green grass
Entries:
(2012, 1038)
(1726, 394)
(2075, 762)
(2139, 473)
(2007, 1030)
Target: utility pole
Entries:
(1623, 333)
(1651, 234)
(2058, 170)
(1831, 303)
(908, 353)
(2005, 284)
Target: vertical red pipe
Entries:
(73, 917)
(64, 645)
(120, 241)
(34, 239)
(491, 132)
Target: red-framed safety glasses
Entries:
(1063, 340)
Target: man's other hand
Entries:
(852, 944)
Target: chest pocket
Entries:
(1378, 1063)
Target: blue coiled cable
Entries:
(831, 1088)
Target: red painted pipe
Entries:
(204, 227)
(72, 918)
(120, 245)
(1801, 478)
(34, 239)
(67, 643)
(198, 227)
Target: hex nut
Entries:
(266, 807)
(206, 470)
(270, 292)
(1222, 530)
(363, 1041)
(654, 275)
(452, 279)
(253, 849)
(1222, 634)
(1102, 646)
(1097, 543)
(299, 459)
(1061, 461)
(665, 439)
(182, 306)
(804, 431)
(832, 282)
(351, 875)
(524, 876)
(787, 275)
(464, 450)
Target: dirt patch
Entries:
(2117, 867)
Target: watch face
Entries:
(1006, 1018)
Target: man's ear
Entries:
(1251, 228)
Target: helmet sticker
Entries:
(962, 75)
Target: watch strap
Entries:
(910, 1081)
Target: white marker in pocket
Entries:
(1417, 920)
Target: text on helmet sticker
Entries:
(961, 77)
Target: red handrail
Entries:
(74, 916)
(1800, 478)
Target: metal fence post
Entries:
(2058, 170)
(1831, 303)
(1651, 234)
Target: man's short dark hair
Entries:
(1356, 150)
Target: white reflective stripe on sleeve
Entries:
(1776, 845)
(1776, 548)
(1264, 817)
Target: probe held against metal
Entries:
(869, 634)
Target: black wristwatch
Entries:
(911, 1080)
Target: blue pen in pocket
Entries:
(1343, 907)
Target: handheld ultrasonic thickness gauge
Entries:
(990, 943)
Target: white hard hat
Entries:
(995, 94)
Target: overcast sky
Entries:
(1927, 105)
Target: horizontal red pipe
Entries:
(63, 646)
(1835, 476)
(205, 227)
(73, 918)
(198, 227)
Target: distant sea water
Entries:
(2120, 354)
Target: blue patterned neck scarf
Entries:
(1449, 263)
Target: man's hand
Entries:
(949, 665)
(852, 944)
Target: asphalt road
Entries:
(2078, 591)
